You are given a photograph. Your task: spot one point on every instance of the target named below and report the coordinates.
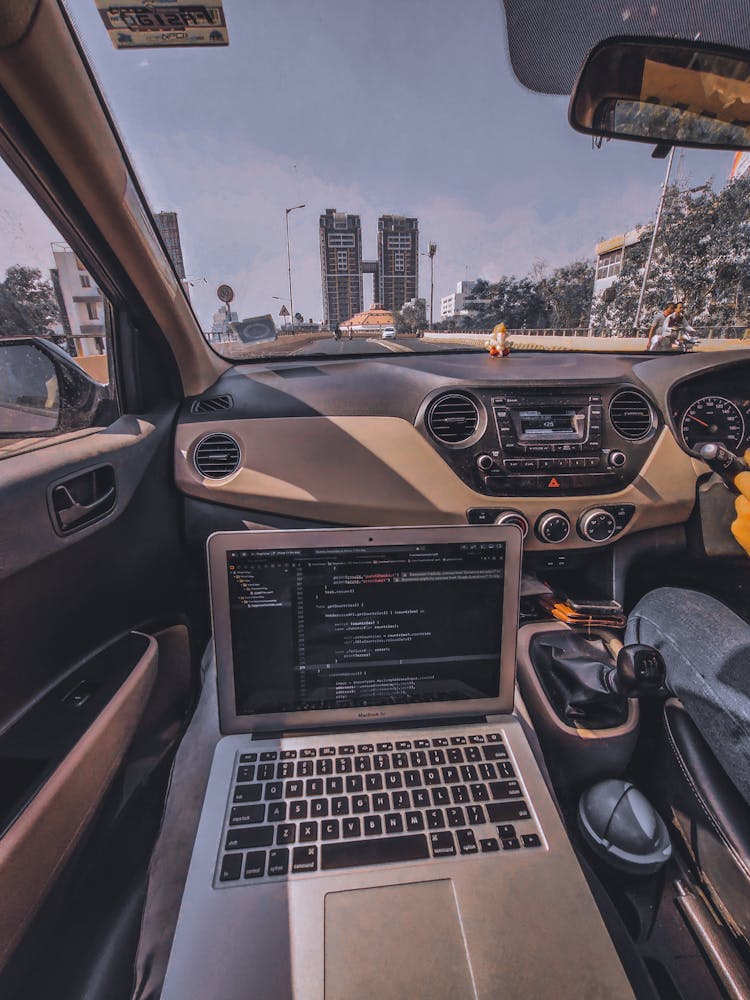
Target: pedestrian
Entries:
(658, 326)
(350, 332)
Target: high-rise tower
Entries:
(340, 266)
(398, 261)
(170, 232)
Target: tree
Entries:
(701, 257)
(567, 291)
(480, 289)
(513, 301)
(28, 307)
(412, 317)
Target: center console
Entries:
(544, 436)
(543, 441)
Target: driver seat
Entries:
(709, 815)
(704, 765)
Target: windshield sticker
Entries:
(144, 24)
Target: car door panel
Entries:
(63, 596)
(74, 738)
(128, 444)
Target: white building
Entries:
(610, 256)
(81, 302)
(461, 302)
(220, 325)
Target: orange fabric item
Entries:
(741, 524)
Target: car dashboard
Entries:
(578, 449)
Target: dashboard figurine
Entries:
(497, 344)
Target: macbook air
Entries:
(375, 824)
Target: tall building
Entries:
(398, 261)
(81, 302)
(170, 232)
(340, 266)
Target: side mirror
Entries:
(664, 92)
(43, 391)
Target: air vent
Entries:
(212, 403)
(631, 414)
(453, 418)
(217, 456)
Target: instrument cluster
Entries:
(713, 408)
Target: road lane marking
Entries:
(390, 346)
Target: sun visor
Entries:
(548, 42)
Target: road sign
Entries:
(283, 311)
(255, 329)
(155, 24)
(225, 293)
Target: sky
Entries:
(367, 106)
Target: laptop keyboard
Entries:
(324, 808)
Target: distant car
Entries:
(389, 333)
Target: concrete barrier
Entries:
(559, 341)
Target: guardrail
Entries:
(703, 332)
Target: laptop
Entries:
(375, 823)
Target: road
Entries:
(361, 345)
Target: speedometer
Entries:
(713, 418)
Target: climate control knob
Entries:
(513, 517)
(485, 462)
(617, 459)
(553, 527)
(597, 525)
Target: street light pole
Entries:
(432, 252)
(289, 259)
(653, 240)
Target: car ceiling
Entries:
(548, 42)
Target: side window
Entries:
(54, 341)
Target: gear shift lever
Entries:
(640, 671)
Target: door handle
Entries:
(70, 516)
(83, 498)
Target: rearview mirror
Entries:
(664, 92)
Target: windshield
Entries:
(353, 178)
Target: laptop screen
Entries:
(329, 628)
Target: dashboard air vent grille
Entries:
(217, 456)
(212, 403)
(631, 414)
(453, 418)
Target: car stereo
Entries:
(539, 424)
(548, 444)
(543, 440)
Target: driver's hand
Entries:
(741, 524)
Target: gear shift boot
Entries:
(574, 673)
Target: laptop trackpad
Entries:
(396, 942)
